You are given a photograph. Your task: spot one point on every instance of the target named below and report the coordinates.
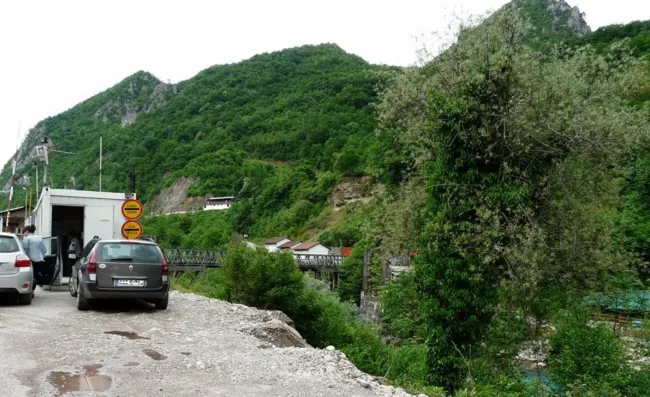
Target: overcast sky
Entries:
(54, 54)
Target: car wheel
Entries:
(25, 299)
(72, 288)
(161, 304)
(82, 303)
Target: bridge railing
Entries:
(319, 262)
(180, 259)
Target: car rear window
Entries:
(8, 244)
(134, 252)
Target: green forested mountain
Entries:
(306, 103)
(293, 120)
(278, 130)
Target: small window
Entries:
(143, 253)
(86, 251)
(8, 244)
(51, 246)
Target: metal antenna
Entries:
(42, 152)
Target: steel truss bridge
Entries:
(324, 267)
(180, 259)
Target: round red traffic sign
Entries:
(132, 209)
(132, 230)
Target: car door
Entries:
(46, 273)
(83, 258)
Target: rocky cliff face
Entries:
(551, 19)
(572, 17)
(143, 94)
(352, 189)
(121, 104)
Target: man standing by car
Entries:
(34, 248)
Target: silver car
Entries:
(16, 271)
(122, 269)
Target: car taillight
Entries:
(91, 267)
(165, 268)
(22, 261)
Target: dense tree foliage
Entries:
(636, 35)
(528, 158)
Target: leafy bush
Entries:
(401, 309)
(588, 358)
(351, 277)
(583, 353)
(211, 284)
(261, 279)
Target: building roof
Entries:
(274, 240)
(289, 244)
(16, 209)
(16, 218)
(83, 194)
(306, 246)
(346, 251)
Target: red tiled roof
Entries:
(346, 251)
(288, 244)
(305, 246)
(274, 240)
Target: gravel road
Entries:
(198, 347)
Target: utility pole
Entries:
(132, 184)
(100, 162)
(38, 193)
(13, 176)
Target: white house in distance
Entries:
(272, 244)
(218, 203)
(313, 248)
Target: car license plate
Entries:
(128, 283)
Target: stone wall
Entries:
(369, 309)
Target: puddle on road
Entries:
(154, 354)
(92, 370)
(126, 334)
(89, 380)
(131, 364)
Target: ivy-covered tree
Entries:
(523, 154)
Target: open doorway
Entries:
(67, 223)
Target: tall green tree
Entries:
(524, 154)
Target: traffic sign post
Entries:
(132, 209)
(132, 230)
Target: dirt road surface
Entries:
(197, 347)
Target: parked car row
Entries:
(105, 269)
